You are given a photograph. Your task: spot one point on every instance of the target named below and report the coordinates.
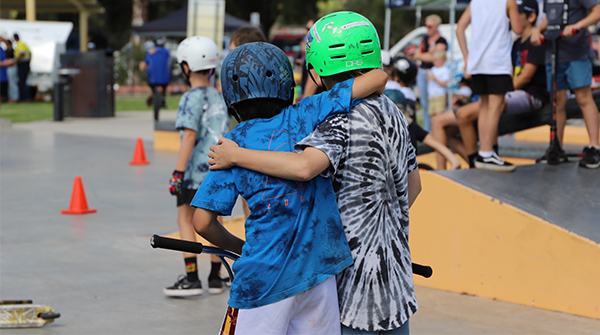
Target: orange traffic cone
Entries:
(78, 201)
(139, 157)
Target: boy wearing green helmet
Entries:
(373, 165)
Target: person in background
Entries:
(433, 42)
(22, 60)
(489, 62)
(574, 71)
(157, 66)
(3, 73)
(437, 80)
(201, 118)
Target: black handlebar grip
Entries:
(157, 241)
(422, 270)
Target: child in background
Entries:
(245, 35)
(295, 243)
(202, 118)
(437, 80)
(463, 94)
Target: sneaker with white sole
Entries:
(183, 288)
(493, 163)
(591, 160)
(215, 285)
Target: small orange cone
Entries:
(78, 201)
(139, 156)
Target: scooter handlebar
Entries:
(562, 35)
(162, 242)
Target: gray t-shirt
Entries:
(578, 46)
(371, 155)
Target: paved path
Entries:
(99, 271)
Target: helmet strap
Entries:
(233, 112)
(314, 81)
(186, 74)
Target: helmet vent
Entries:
(366, 41)
(235, 77)
(367, 52)
(335, 46)
(269, 73)
(338, 57)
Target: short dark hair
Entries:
(247, 34)
(259, 108)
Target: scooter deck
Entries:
(23, 313)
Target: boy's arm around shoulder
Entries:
(369, 83)
(207, 225)
(288, 165)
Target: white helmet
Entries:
(198, 52)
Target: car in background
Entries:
(409, 44)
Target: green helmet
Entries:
(340, 42)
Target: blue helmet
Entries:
(256, 70)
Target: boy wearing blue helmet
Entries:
(295, 242)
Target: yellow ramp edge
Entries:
(166, 140)
(430, 159)
(573, 135)
(479, 246)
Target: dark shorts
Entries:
(186, 197)
(491, 84)
(4, 91)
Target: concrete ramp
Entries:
(530, 237)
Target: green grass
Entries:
(34, 111)
(25, 112)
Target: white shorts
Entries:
(314, 311)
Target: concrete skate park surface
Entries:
(99, 271)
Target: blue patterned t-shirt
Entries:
(294, 236)
(201, 109)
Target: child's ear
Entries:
(532, 18)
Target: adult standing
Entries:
(23, 60)
(574, 72)
(3, 74)
(157, 67)
(433, 42)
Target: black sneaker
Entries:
(591, 160)
(215, 285)
(493, 163)
(562, 158)
(183, 288)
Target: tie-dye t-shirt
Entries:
(201, 109)
(294, 236)
(371, 156)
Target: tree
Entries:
(289, 11)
